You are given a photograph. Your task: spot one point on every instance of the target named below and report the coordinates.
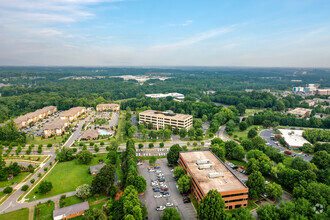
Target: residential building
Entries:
(293, 138)
(55, 128)
(175, 95)
(73, 113)
(70, 211)
(32, 117)
(208, 172)
(93, 170)
(301, 112)
(323, 92)
(310, 102)
(159, 119)
(108, 107)
(90, 134)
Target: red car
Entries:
(288, 152)
(164, 188)
(184, 194)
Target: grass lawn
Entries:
(67, 176)
(72, 200)
(243, 134)
(252, 111)
(21, 214)
(27, 157)
(17, 179)
(38, 140)
(238, 163)
(45, 211)
(194, 201)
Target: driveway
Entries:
(185, 209)
(266, 134)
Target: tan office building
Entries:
(107, 107)
(159, 119)
(208, 172)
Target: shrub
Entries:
(24, 188)
(32, 181)
(8, 190)
(49, 145)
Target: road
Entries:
(266, 134)
(77, 133)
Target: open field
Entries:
(17, 179)
(39, 140)
(21, 214)
(243, 134)
(66, 177)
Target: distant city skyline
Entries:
(282, 33)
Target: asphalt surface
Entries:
(266, 134)
(186, 210)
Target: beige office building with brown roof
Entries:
(300, 112)
(107, 107)
(160, 119)
(25, 120)
(208, 172)
(73, 113)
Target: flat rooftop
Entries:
(293, 137)
(228, 182)
(161, 114)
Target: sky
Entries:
(264, 33)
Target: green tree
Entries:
(274, 190)
(241, 108)
(167, 134)
(268, 212)
(243, 126)
(184, 183)
(219, 151)
(8, 190)
(204, 118)
(131, 131)
(140, 184)
(212, 206)
(252, 133)
(152, 159)
(197, 123)
(45, 187)
(238, 153)
(114, 144)
(112, 156)
(161, 145)
(321, 159)
(102, 182)
(173, 154)
(183, 132)
(84, 156)
(256, 184)
(191, 133)
(253, 165)
(243, 214)
(171, 214)
(247, 144)
(93, 214)
(178, 172)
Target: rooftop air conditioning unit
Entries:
(216, 174)
(198, 162)
(205, 166)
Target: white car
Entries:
(160, 208)
(167, 195)
(172, 170)
(158, 196)
(158, 171)
(151, 170)
(169, 204)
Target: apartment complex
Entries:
(25, 120)
(73, 113)
(300, 112)
(208, 172)
(55, 128)
(159, 119)
(107, 107)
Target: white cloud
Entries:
(186, 23)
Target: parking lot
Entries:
(185, 209)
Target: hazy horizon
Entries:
(147, 33)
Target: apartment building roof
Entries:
(90, 133)
(34, 114)
(167, 114)
(69, 210)
(300, 111)
(71, 111)
(113, 105)
(226, 182)
(56, 124)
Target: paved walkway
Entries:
(31, 212)
(57, 204)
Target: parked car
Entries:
(169, 165)
(166, 195)
(161, 180)
(186, 200)
(156, 190)
(165, 188)
(157, 167)
(169, 204)
(158, 171)
(158, 196)
(151, 170)
(287, 152)
(184, 194)
(160, 208)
